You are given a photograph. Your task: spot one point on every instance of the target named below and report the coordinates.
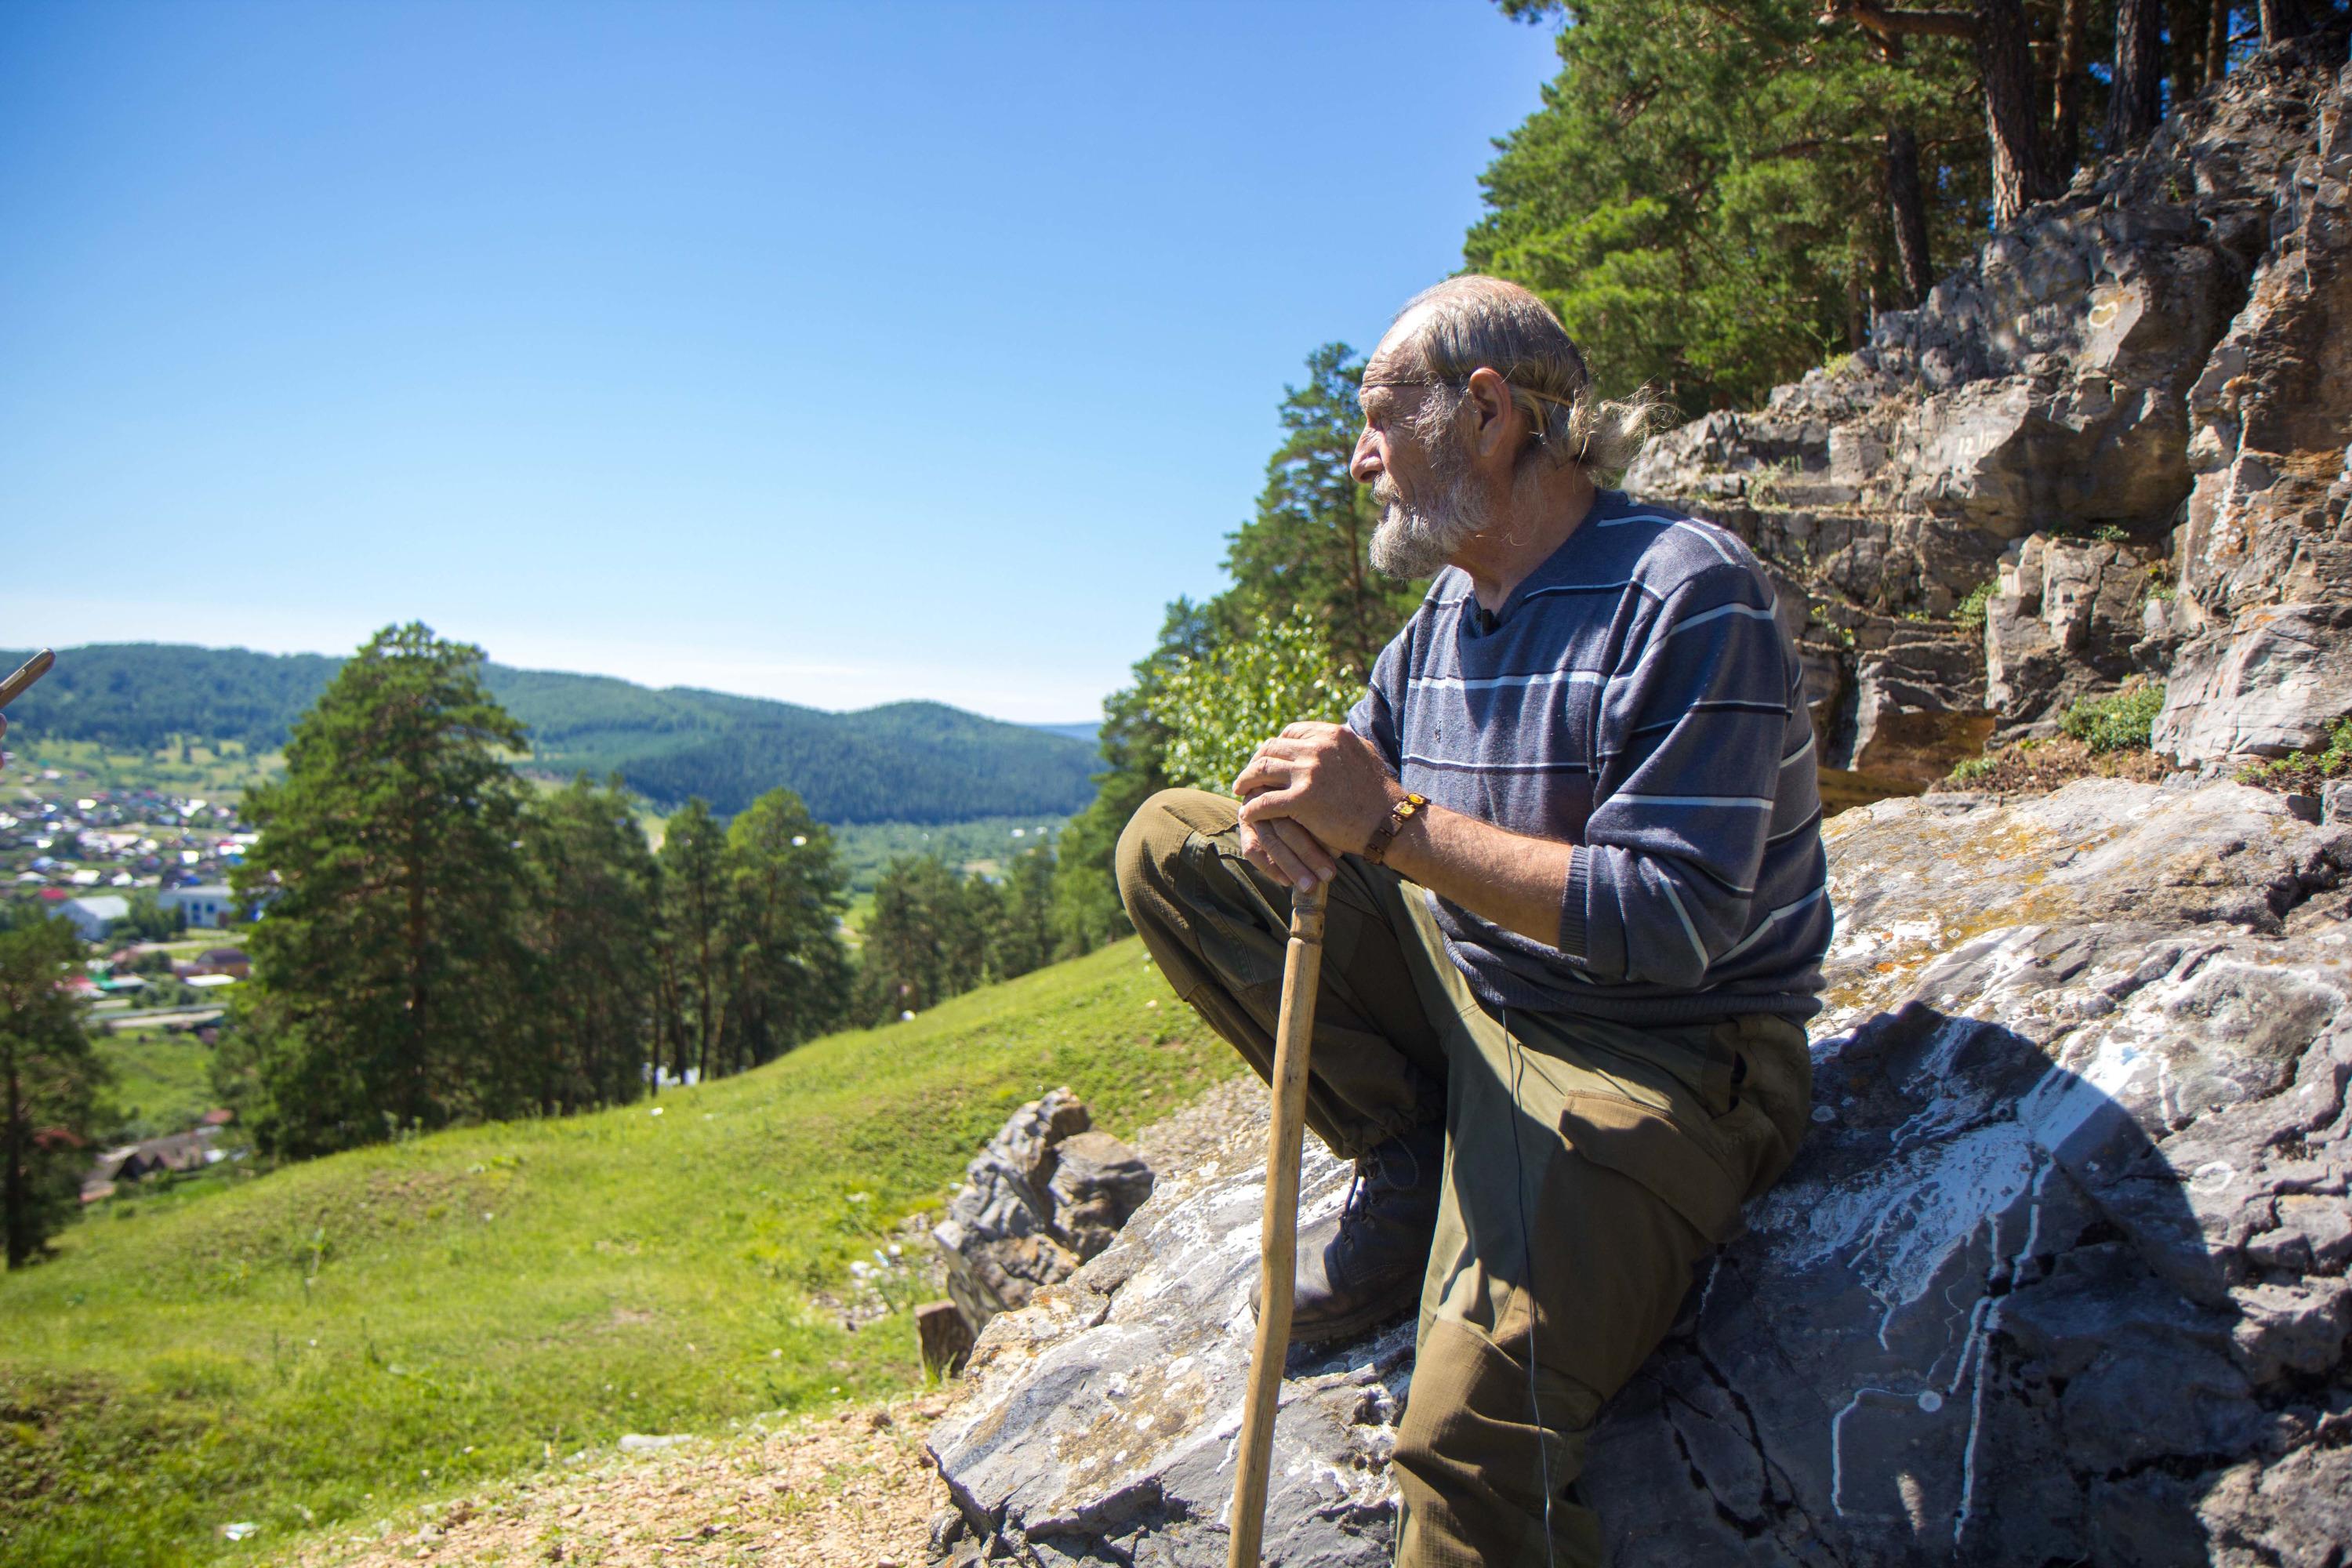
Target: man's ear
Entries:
(1497, 416)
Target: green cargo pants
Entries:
(1590, 1166)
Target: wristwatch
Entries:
(1385, 834)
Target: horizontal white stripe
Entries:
(1743, 610)
(1800, 753)
(1693, 525)
(1579, 588)
(1493, 682)
(1751, 802)
(1561, 767)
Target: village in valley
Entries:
(141, 873)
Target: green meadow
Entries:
(324, 1341)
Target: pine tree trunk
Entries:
(2283, 19)
(2067, 96)
(2185, 25)
(2005, 61)
(1906, 213)
(2216, 42)
(2136, 101)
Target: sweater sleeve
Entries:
(1376, 713)
(1689, 756)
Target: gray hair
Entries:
(1474, 322)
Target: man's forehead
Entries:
(1393, 355)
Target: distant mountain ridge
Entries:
(904, 761)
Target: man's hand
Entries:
(1312, 790)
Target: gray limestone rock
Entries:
(1044, 1196)
(1918, 700)
(2062, 623)
(2058, 1276)
(1098, 1183)
(2276, 682)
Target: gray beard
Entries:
(1412, 541)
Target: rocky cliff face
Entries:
(2130, 416)
(2060, 1275)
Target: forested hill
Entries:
(907, 762)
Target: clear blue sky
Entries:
(832, 353)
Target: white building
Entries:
(94, 917)
(207, 905)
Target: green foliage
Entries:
(1970, 769)
(162, 1082)
(386, 967)
(1217, 708)
(587, 920)
(2302, 773)
(151, 695)
(1307, 552)
(2118, 722)
(985, 843)
(926, 940)
(1701, 196)
(49, 1080)
(1086, 908)
(787, 891)
(415, 1318)
(907, 762)
(1023, 937)
(1970, 611)
(696, 939)
(149, 920)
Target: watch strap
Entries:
(1391, 825)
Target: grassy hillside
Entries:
(906, 761)
(322, 1342)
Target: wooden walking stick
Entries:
(1294, 1031)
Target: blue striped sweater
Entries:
(1636, 698)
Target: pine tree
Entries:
(926, 940)
(1309, 547)
(1023, 937)
(589, 923)
(1712, 194)
(696, 936)
(385, 968)
(49, 1080)
(791, 974)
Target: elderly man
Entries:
(1578, 910)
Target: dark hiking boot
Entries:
(1363, 1265)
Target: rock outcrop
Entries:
(2059, 1275)
(2131, 412)
(1044, 1196)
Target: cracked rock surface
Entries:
(2058, 1276)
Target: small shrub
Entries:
(2160, 584)
(1973, 768)
(2112, 533)
(1970, 612)
(2118, 722)
(2301, 773)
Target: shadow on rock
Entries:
(2006, 1311)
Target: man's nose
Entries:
(1364, 463)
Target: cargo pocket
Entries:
(1644, 1142)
